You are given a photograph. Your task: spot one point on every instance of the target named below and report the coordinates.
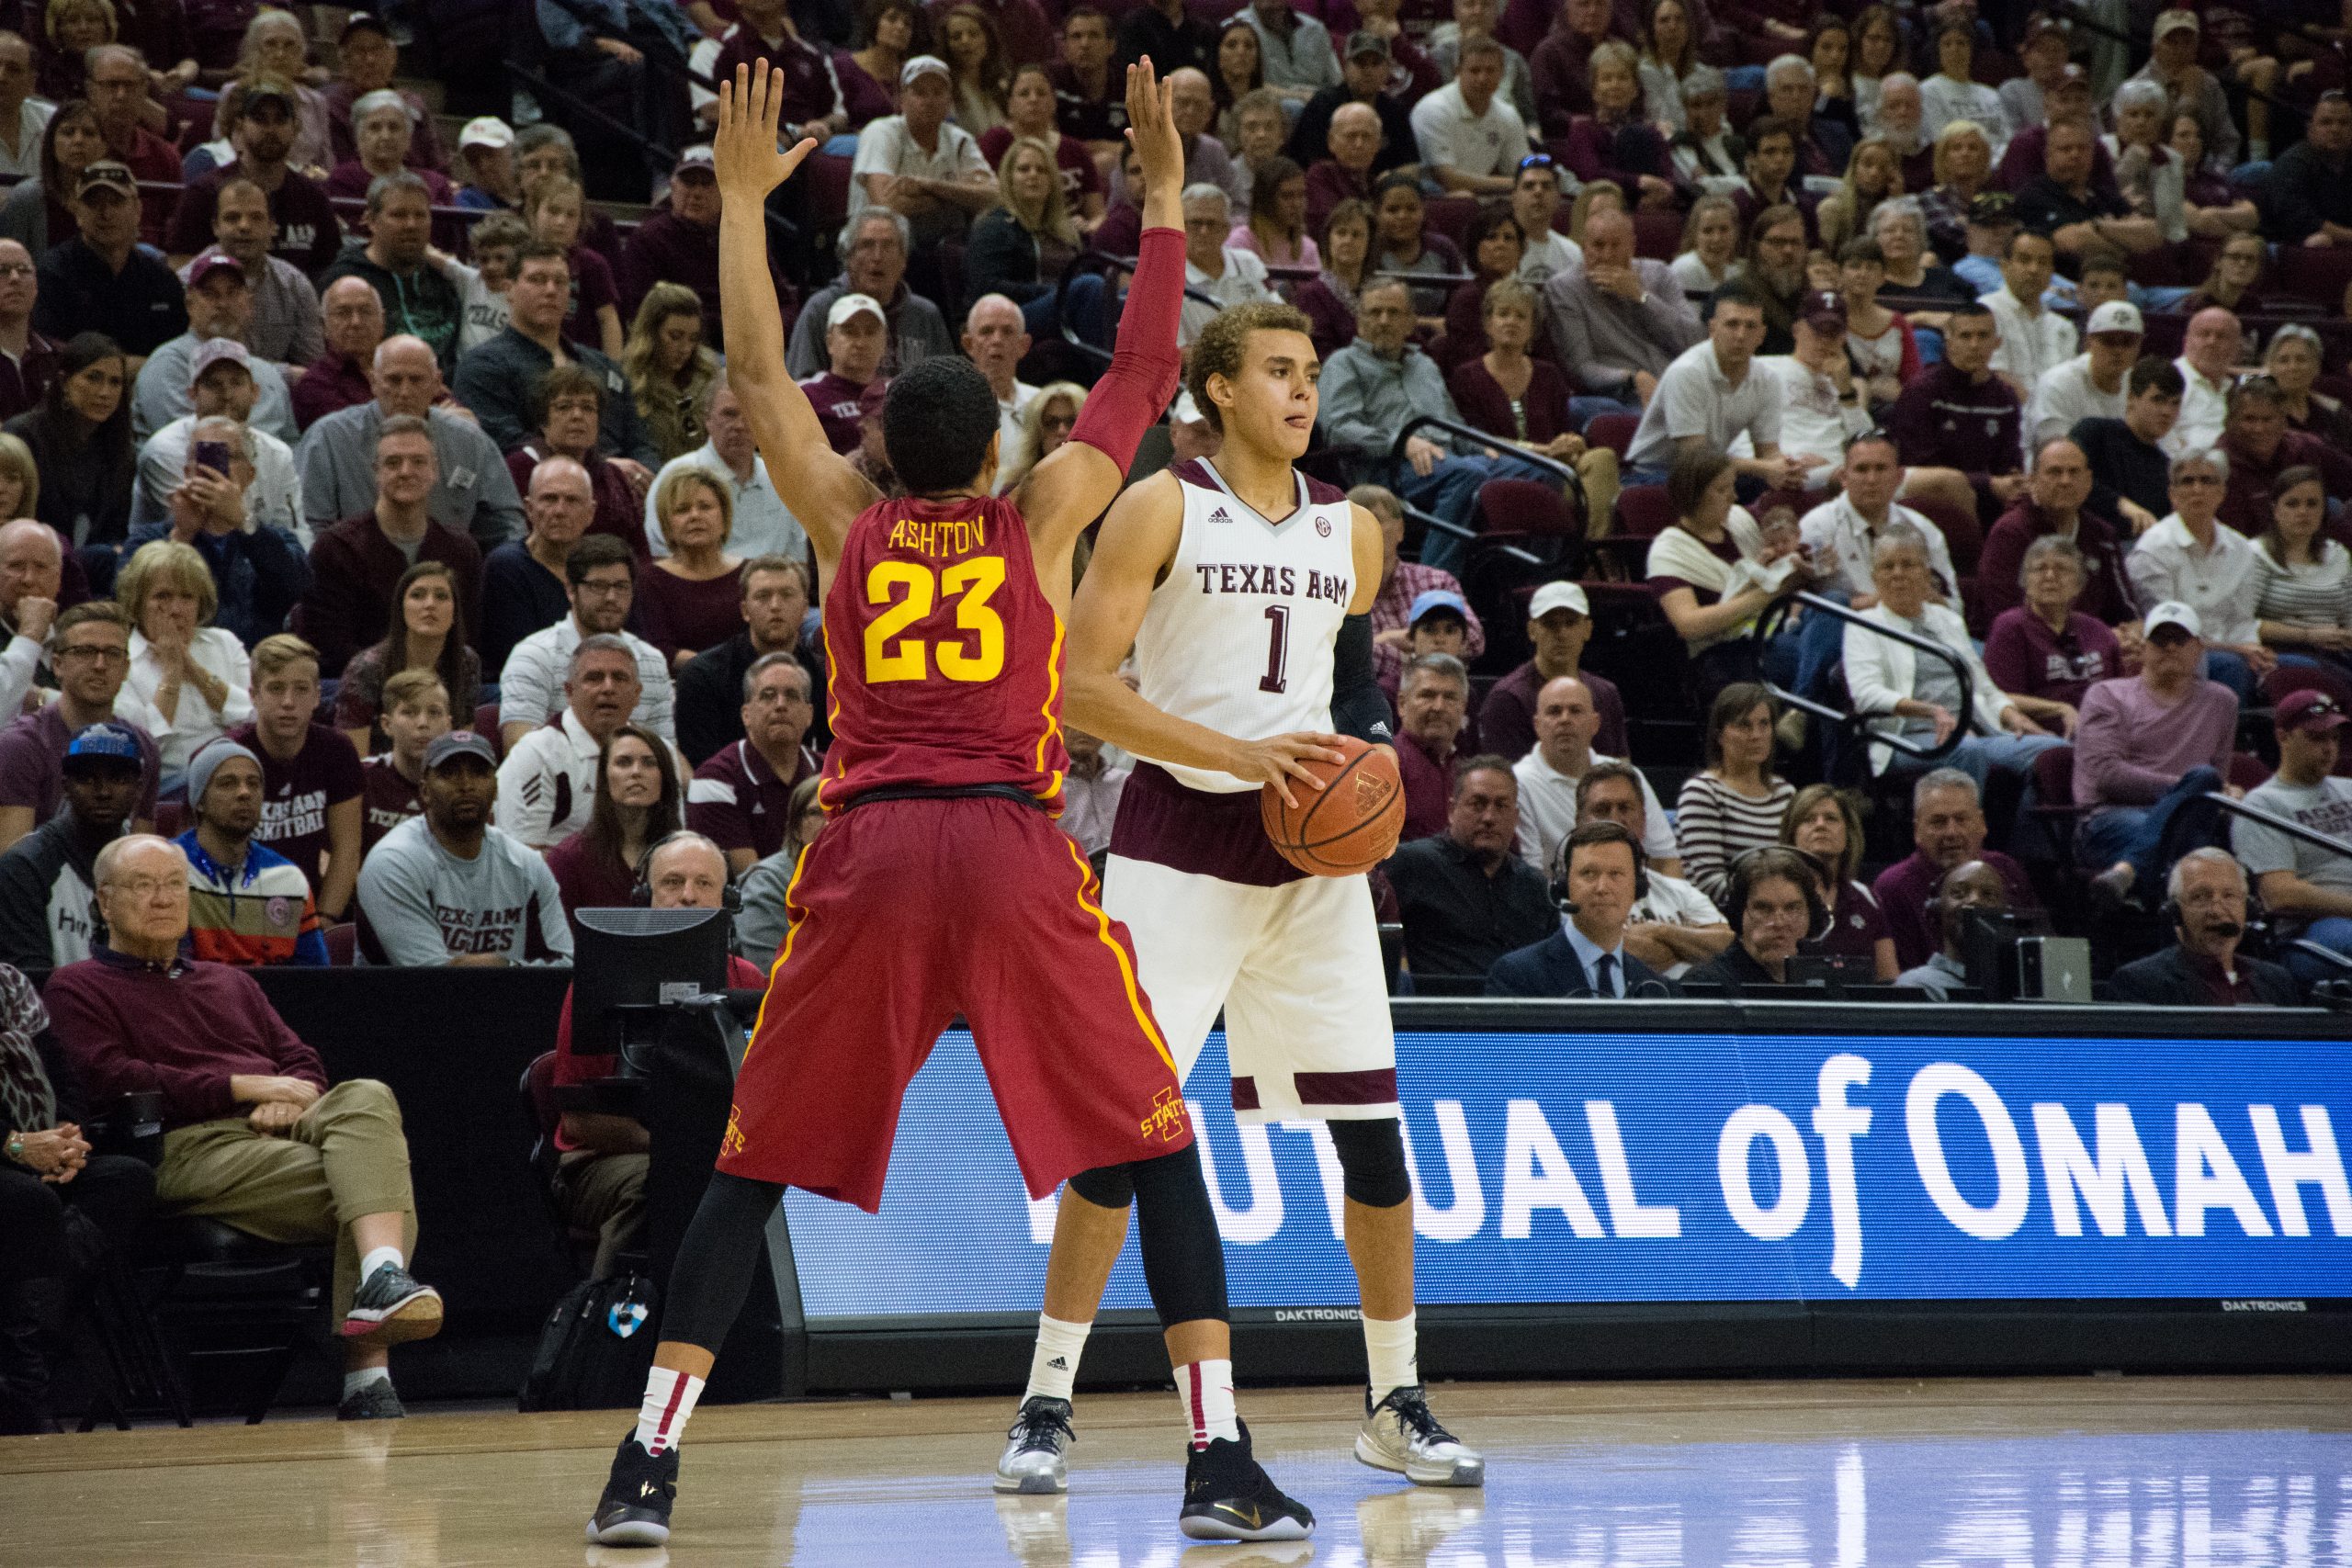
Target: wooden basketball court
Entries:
(2077, 1471)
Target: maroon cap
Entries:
(2309, 710)
(210, 262)
(1821, 310)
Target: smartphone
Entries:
(213, 455)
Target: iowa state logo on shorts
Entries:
(1167, 1119)
(732, 1143)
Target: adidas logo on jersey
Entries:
(1059, 1364)
(1218, 516)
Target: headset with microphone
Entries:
(730, 898)
(1595, 833)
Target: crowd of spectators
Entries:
(388, 568)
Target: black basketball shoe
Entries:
(1228, 1497)
(635, 1508)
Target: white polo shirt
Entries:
(1451, 137)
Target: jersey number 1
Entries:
(1276, 679)
(910, 591)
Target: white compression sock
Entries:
(1205, 1390)
(1053, 1365)
(669, 1399)
(379, 1256)
(353, 1381)
(1390, 1349)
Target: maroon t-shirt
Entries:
(592, 288)
(1855, 925)
(810, 90)
(32, 762)
(1080, 178)
(392, 800)
(297, 794)
(740, 803)
(837, 404)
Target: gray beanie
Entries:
(207, 761)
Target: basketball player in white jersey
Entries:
(1245, 589)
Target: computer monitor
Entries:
(629, 958)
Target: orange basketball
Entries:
(1347, 827)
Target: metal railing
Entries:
(2327, 842)
(2278, 824)
(1567, 475)
(1777, 611)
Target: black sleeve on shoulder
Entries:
(1359, 708)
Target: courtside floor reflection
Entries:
(1956, 1472)
(2068, 1500)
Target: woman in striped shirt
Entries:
(1736, 803)
(2306, 601)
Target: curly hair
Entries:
(1218, 351)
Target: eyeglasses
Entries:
(99, 653)
(146, 887)
(2200, 479)
(603, 590)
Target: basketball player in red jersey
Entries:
(942, 885)
(1244, 589)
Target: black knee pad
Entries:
(1371, 1162)
(1183, 1257)
(1107, 1187)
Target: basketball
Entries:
(1347, 827)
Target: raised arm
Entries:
(816, 484)
(1069, 491)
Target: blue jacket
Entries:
(1550, 968)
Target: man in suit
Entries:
(1599, 877)
(2203, 968)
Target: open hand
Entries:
(1152, 127)
(1278, 759)
(750, 112)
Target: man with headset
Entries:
(601, 1156)
(1597, 876)
(1773, 906)
(1971, 885)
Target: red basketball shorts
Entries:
(905, 913)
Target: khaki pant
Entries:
(604, 1193)
(1597, 470)
(345, 1158)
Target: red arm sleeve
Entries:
(1144, 363)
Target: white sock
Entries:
(1205, 1390)
(377, 1257)
(669, 1399)
(1053, 1365)
(1388, 1347)
(353, 1381)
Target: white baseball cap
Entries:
(2175, 20)
(487, 132)
(850, 305)
(923, 65)
(2117, 316)
(2173, 613)
(1559, 597)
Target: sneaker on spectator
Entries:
(392, 1308)
(371, 1400)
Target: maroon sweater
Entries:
(134, 1027)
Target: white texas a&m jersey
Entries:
(1238, 635)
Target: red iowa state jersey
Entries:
(945, 656)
